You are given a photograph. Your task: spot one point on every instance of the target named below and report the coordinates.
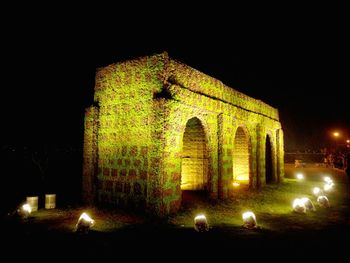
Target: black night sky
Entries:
(294, 61)
(294, 58)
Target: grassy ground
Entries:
(279, 226)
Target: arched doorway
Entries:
(268, 161)
(194, 162)
(240, 158)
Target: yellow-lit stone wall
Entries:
(159, 124)
(90, 154)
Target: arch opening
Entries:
(241, 168)
(268, 161)
(194, 161)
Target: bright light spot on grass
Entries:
(323, 201)
(249, 219)
(201, 223)
(328, 187)
(316, 191)
(328, 184)
(300, 176)
(235, 184)
(241, 178)
(84, 223)
(27, 208)
(327, 179)
(299, 206)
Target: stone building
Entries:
(158, 127)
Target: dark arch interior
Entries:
(268, 161)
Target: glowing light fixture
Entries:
(329, 184)
(327, 179)
(201, 223)
(235, 184)
(308, 204)
(336, 134)
(328, 187)
(241, 178)
(84, 223)
(25, 210)
(300, 176)
(249, 220)
(323, 201)
(299, 206)
(317, 191)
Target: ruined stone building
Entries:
(158, 127)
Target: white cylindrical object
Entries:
(50, 201)
(33, 202)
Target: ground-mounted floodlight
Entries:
(327, 179)
(299, 206)
(300, 176)
(201, 223)
(328, 187)
(24, 211)
(84, 223)
(323, 201)
(249, 220)
(308, 204)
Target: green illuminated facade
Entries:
(158, 127)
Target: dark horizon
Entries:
(54, 103)
(298, 68)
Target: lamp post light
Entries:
(336, 135)
(341, 148)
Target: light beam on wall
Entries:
(241, 157)
(194, 166)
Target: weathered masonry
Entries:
(158, 127)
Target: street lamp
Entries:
(342, 146)
(336, 135)
(342, 140)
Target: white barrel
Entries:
(50, 201)
(33, 202)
